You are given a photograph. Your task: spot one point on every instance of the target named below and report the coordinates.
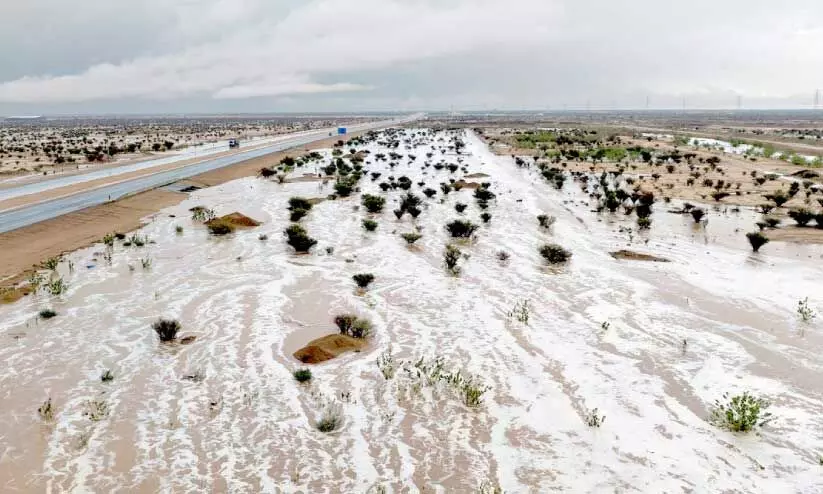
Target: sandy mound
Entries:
(477, 175)
(327, 348)
(636, 256)
(236, 220)
(807, 235)
(467, 185)
(13, 294)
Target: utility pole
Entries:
(817, 100)
(647, 101)
(739, 102)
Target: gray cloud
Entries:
(219, 55)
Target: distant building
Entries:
(24, 118)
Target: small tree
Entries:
(363, 280)
(460, 207)
(801, 216)
(302, 375)
(486, 217)
(697, 214)
(757, 240)
(298, 238)
(299, 203)
(555, 254)
(166, 329)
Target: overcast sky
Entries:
(108, 56)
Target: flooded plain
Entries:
(648, 345)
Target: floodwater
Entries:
(739, 149)
(224, 414)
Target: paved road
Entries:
(35, 213)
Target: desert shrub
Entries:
(555, 254)
(503, 256)
(486, 217)
(399, 213)
(451, 257)
(461, 228)
(460, 207)
(385, 186)
(344, 322)
(411, 238)
(373, 204)
(779, 198)
(375, 176)
(545, 221)
(445, 188)
(409, 201)
(267, 172)
(353, 326)
(299, 203)
(302, 375)
(757, 240)
(741, 413)
(772, 221)
(298, 238)
(166, 329)
(47, 314)
(107, 376)
(801, 216)
(697, 214)
(429, 192)
(483, 194)
(344, 186)
(363, 279)
(719, 196)
(297, 214)
(331, 419)
(46, 411)
(818, 218)
(361, 328)
(644, 223)
(178, 230)
(414, 211)
(217, 227)
(766, 208)
(369, 225)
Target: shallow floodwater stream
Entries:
(225, 414)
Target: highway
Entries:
(13, 219)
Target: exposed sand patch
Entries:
(805, 235)
(629, 255)
(328, 347)
(237, 220)
(476, 175)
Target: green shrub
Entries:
(373, 204)
(298, 238)
(330, 421)
(450, 258)
(429, 192)
(302, 375)
(757, 240)
(644, 223)
(107, 376)
(460, 207)
(545, 221)
(801, 216)
(166, 329)
(741, 413)
(297, 214)
(363, 280)
(486, 217)
(555, 254)
(353, 326)
(411, 238)
(414, 211)
(369, 225)
(299, 203)
(461, 228)
(47, 314)
(399, 213)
